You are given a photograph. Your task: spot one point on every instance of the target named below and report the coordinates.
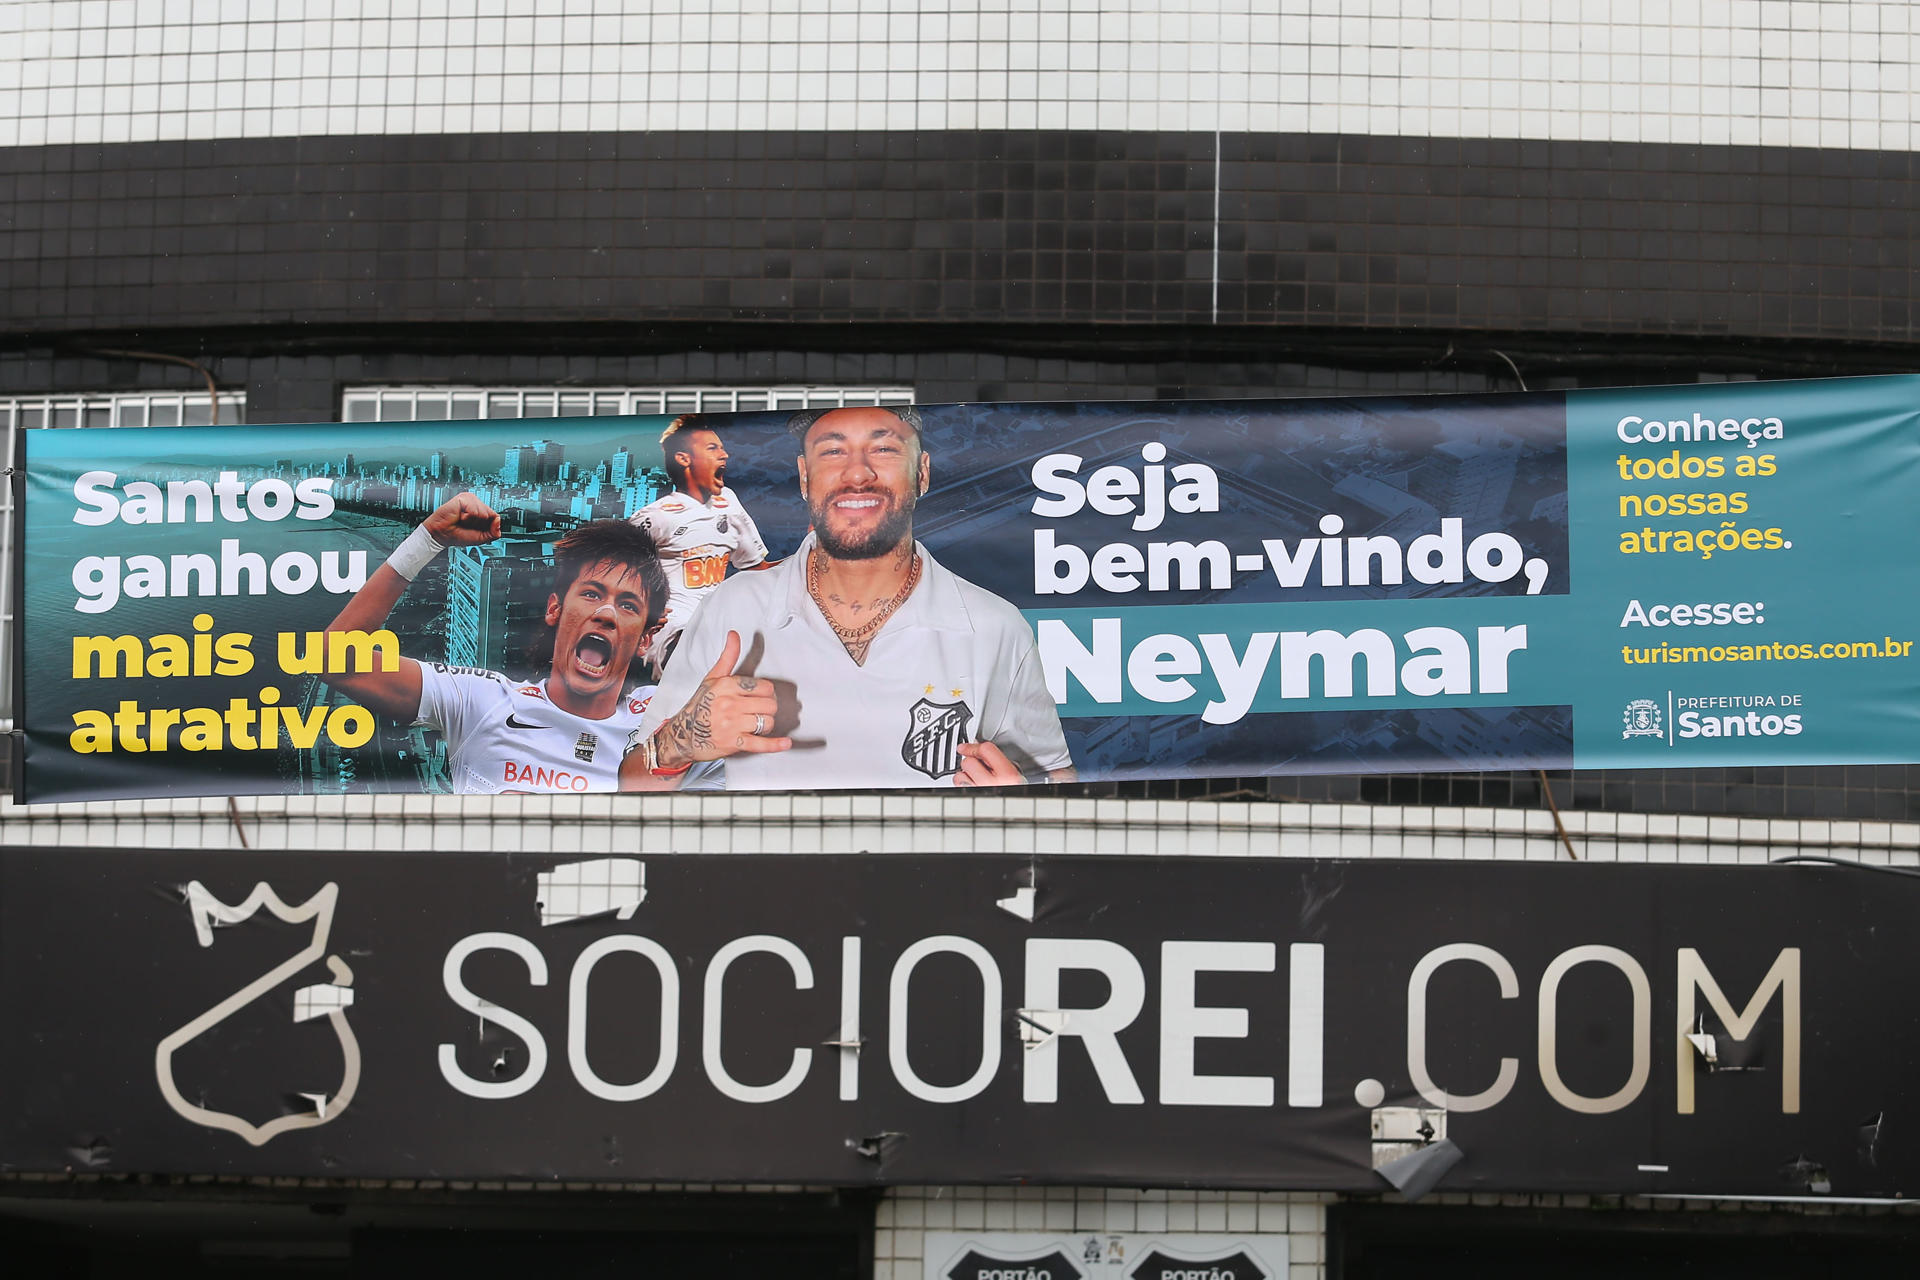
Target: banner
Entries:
(1279, 1023)
(977, 594)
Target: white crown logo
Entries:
(329, 1000)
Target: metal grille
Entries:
(149, 409)
(424, 404)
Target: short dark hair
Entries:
(800, 423)
(677, 472)
(598, 542)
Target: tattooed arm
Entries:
(726, 715)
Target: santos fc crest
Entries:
(935, 731)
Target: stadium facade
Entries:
(390, 210)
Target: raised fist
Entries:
(463, 522)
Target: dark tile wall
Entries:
(1879, 793)
(1025, 228)
(1587, 236)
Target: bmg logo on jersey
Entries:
(935, 731)
(704, 570)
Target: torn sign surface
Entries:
(325, 1000)
(1239, 1033)
(579, 890)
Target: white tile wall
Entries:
(909, 1213)
(1774, 72)
(853, 823)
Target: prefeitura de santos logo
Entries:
(1642, 720)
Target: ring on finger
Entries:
(759, 724)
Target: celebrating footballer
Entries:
(567, 731)
(701, 527)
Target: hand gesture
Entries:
(726, 715)
(463, 522)
(984, 765)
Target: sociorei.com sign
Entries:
(1676, 576)
(1282, 1023)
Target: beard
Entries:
(893, 529)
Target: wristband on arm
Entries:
(650, 756)
(415, 552)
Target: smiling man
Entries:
(891, 671)
(567, 731)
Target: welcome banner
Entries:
(1648, 577)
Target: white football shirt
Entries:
(505, 735)
(955, 664)
(697, 542)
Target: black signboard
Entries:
(899, 1019)
(1231, 1266)
(976, 1265)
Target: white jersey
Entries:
(504, 735)
(955, 664)
(697, 542)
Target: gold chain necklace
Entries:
(852, 636)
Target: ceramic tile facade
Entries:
(1713, 72)
(1404, 243)
(517, 186)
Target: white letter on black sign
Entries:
(849, 1019)
(1783, 977)
(1549, 1028)
(710, 1018)
(1098, 1028)
(1182, 1022)
(487, 1011)
(1417, 1026)
(989, 1019)
(1306, 1023)
(577, 1018)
